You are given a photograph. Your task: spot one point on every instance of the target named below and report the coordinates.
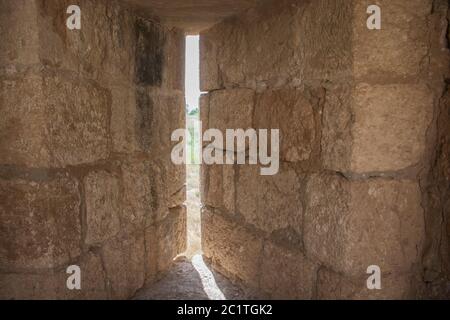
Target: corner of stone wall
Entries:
(355, 109)
(85, 170)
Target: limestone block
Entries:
(102, 193)
(231, 247)
(50, 121)
(123, 119)
(209, 68)
(172, 236)
(376, 128)
(270, 202)
(144, 194)
(307, 40)
(19, 32)
(104, 48)
(399, 48)
(231, 109)
(164, 241)
(40, 223)
(292, 113)
(53, 284)
(124, 264)
(93, 280)
(350, 225)
(286, 274)
(20, 286)
(334, 286)
(157, 115)
(218, 187)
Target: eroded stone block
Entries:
(376, 128)
(350, 225)
(102, 193)
(399, 49)
(286, 274)
(40, 223)
(292, 113)
(270, 202)
(124, 264)
(231, 247)
(50, 121)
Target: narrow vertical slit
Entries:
(192, 87)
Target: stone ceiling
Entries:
(193, 15)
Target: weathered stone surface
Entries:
(102, 50)
(292, 113)
(123, 119)
(124, 264)
(231, 247)
(144, 195)
(18, 31)
(102, 193)
(40, 223)
(171, 235)
(390, 126)
(383, 130)
(209, 67)
(159, 55)
(93, 280)
(332, 286)
(350, 225)
(22, 286)
(57, 122)
(231, 109)
(53, 284)
(315, 35)
(164, 241)
(286, 274)
(218, 187)
(337, 120)
(158, 114)
(399, 48)
(176, 184)
(270, 202)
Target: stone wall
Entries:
(358, 113)
(85, 171)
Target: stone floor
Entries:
(193, 280)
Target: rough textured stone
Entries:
(123, 118)
(390, 126)
(292, 113)
(332, 286)
(58, 122)
(40, 223)
(315, 35)
(18, 31)
(163, 242)
(218, 187)
(53, 284)
(124, 264)
(383, 130)
(269, 202)
(106, 24)
(157, 115)
(231, 109)
(144, 197)
(349, 226)
(399, 48)
(231, 247)
(102, 193)
(286, 274)
(171, 235)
